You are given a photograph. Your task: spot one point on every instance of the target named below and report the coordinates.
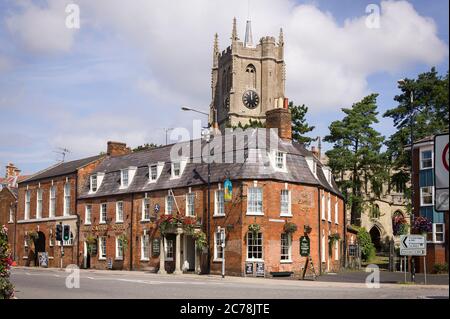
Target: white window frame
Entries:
(103, 218)
(88, 214)
(167, 205)
(322, 204)
(145, 244)
(119, 211)
(218, 249)
(422, 203)
(39, 203)
(11, 215)
(219, 205)
(123, 179)
(119, 249)
(336, 211)
(190, 208)
(52, 202)
(289, 247)
(93, 178)
(150, 176)
(422, 159)
(67, 190)
(27, 204)
(434, 241)
(329, 207)
(289, 203)
(336, 250)
(166, 249)
(248, 247)
(255, 205)
(145, 211)
(102, 248)
(277, 156)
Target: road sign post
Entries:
(441, 168)
(413, 245)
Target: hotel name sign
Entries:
(103, 228)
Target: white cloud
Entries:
(5, 63)
(327, 64)
(41, 29)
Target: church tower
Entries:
(247, 80)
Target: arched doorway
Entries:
(39, 246)
(375, 235)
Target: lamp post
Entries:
(166, 130)
(411, 137)
(208, 210)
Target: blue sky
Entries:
(125, 73)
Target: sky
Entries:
(126, 72)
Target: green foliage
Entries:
(250, 124)
(254, 228)
(290, 228)
(200, 240)
(357, 150)
(124, 240)
(366, 245)
(6, 288)
(146, 146)
(440, 268)
(299, 125)
(431, 108)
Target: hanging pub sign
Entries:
(260, 270)
(305, 246)
(155, 247)
(228, 190)
(352, 250)
(249, 268)
(157, 208)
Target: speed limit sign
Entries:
(441, 164)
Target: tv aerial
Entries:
(63, 152)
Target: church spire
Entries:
(248, 35)
(281, 38)
(234, 36)
(216, 51)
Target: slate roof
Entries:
(61, 169)
(195, 172)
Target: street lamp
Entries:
(208, 213)
(403, 82)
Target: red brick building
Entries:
(123, 202)
(44, 200)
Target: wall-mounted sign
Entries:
(441, 167)
(156, 247)
(260, 270)
(43, 259)
(228, 190)
(249, 268)
(305, 246)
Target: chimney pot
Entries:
(286, 103)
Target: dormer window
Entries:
(94, 183)
(176, 169)
(126, 176)
(312, 164)
(279, 160)
(154, 171)
(327, 173)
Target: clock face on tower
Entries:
(250, 99)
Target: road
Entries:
(38, 283)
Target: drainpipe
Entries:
(345, 234)
(78, 220)
(131, 231)
(320, 234)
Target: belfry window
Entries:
(250, 72)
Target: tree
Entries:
(6, 288)
(146, 146)
(355, 158)
(431, 109)
(299, 125)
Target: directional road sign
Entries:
(413, 245)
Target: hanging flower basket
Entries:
(290, 228)
(254, 228)
(334, 237)
(422, 225)
(200, 240)
(307, 229)
(400, 225)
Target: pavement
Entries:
(41, 283)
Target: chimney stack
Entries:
(12, 170)
(315, 152)
(117, 149)
(281, 119)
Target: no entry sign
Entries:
(441, 166)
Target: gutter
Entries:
(320, 234)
